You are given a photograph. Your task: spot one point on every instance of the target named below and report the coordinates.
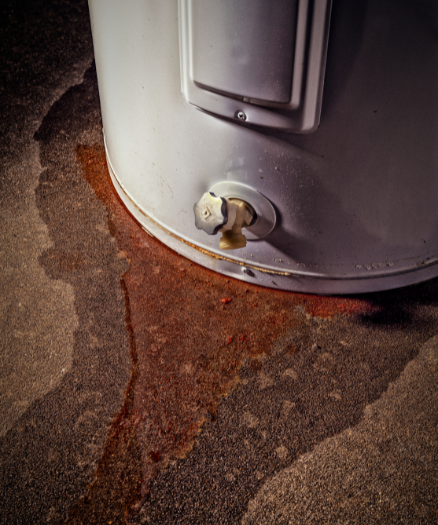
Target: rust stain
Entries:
(118, 478)
(190, 331)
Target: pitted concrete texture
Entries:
(139, 387)
(384, 470)
(65, 355)
(37, 314)
(315, 385)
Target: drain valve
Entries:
(229, 216)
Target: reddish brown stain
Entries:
(191, 329)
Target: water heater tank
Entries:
(288, 143)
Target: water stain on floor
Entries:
(190, 329)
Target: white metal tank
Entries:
(288, 143)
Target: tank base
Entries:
(288, 281)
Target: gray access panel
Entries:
(255, 61)
(244, 48)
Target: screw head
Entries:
(240, 115)
(247, 271)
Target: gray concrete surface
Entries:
(54, 418)
(336, 423)
(296, 406)
(381, 471)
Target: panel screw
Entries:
(240, 115)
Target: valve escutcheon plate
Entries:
(266, 216)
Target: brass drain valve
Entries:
(216, 214)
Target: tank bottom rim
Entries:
(287, 280)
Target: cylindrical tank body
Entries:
(355, 200)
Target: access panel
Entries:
(261, 62)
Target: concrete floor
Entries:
(122, 401)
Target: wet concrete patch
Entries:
(192, 329)
(279, 410)
(51, 452)
(382, 471)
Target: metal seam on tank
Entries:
(258, 268)
(202, 250)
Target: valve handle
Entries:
(210, 213)
(229, 216)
